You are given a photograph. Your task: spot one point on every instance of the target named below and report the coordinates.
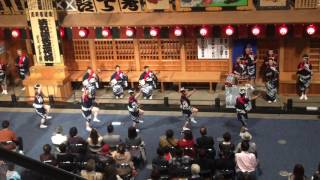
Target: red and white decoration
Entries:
(229, 30)
(154, 32)
(283, 30)
(15, 33)
(130, 32)
(177, 31)
(204, 31)
(255, 30)
(83, 32)
(61, 32)
(106, 32)
(311, 29)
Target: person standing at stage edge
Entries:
(304, 77)
(185, 104)
(22, 64)
(242, 104)
(3, 78)
(41, 109)
(251, 61)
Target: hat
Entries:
(130, 91)
(37, 86)
(105, 149)
(246, 136)
(183, 89)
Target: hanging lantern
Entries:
(311, 29)
(229, 30)
(15, 33)
(61, 32)
(255, 30)
(204, 31)
(83, 32)
(106, 32)
(283, 30)
(178, 31)
(130, 32)
(154, 31)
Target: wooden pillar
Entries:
(136, 54)
(183, 56)
(93, 56)
(281, 55)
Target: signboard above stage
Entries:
(212, 3)
(213, 48)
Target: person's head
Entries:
(37, 89)
(203, 131)
(131, 92)
(89, 70)
(63, 148)
(132, 132)
(59, 130)
(248, 49)
(238, 60)
(195, 169)
(121, 148)
(146, 68)
(246, 136)
(160, 152)
(5, 124)
(244, 146)
(183, 91)
(169, 134)
(110, 128)
(155, 174)
(105, 149)
(305, 58)
(73, 132)
(188, 135)
(298, 172)
(270, 52)
(91, 165)
(117, 68)
(46, 149)
(11, 166)
(19, 52)
(270, 62)
(109, 173)
(94, 136)
(226, 137)
(242, 92)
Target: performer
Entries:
(41, 109)
(242, 106)
(251, 61)
(271, 76)
(136, 113)
(185, 104)
(88, 108)
(90, 81)
(148, 82)
(239, 69)
(304, 76)
(118, 82)
(271, 55)
(3, 78)
(22, 64)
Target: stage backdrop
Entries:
(239, 46)
(213, 3)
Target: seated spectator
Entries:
(94, 141)
(195, 172)
(110, 173)
(8, 138)
(123, 161)
(179, 166)
(168, 140)
(298, 173)
(3, 169)
(246, 163)
(75, 143)
(89, 172)
(160, 163)
(226, 147)
(135, 145)
(155, 175)
(225, 167)
(64, 159)
(187, 144)
(206, 164)
(58, 137)
(316, 175)
(46, 156)
(111, 139)
(11, 173)
(103, 158)
(206, 142)
(247, 137)
(133, 139)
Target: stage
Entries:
(282, 140)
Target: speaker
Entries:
(166, 101)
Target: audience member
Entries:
(226, 147)
(179, 166)
(316, 175)
(110, 173)
(247, 137)
(90, 172)
(11, 173)
(123, 161)
(46, 156)
(135, 146)
(195, 172)
(111, 139)
(187, 144)
(206, 142)
(8, 138)
(160, 163)
(3, 169)
(225, 167)
(298, 173)
(168, 141)
(207, 165)
(58, 137)
(133, 139)
(64, 159)
(246, 162)
(94, 141)
(75, 143)
(155, 175)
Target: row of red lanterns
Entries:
(177, 31)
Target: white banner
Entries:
(213, 48)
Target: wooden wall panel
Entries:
(294, 49)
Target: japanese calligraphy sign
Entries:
(158, 4)
(213, 48)
(107, 6)
(130, 5)
(67, 5)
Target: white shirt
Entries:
(246, 162)
(58, 139)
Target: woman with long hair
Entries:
(95, 141)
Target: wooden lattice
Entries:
(104, 50)
(314, 55)
(124, 49)
(191, 49)
(81, 50)
(149, 49)
(305, 4)
(170, 49)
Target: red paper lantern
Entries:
(154, 31)
(130, 32)
(83, 32)
(311, 29)
(204, 31)
(178, 31)
(106, 32)
(61, 32)
(255, 30)
(229, 30)
(15, 33)
(283, 30)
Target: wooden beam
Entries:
(92, 50)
